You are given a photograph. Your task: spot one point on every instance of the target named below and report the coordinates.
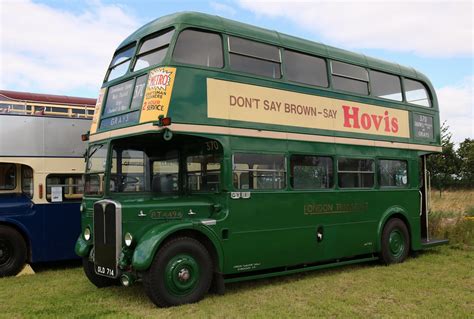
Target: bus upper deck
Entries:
(246, 77)
(41, 167)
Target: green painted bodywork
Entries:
(271, 229)
(82, 247)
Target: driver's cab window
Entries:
(203, 172)
(165, 172)
(128, 171)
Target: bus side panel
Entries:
(51, 240)
(61, 229)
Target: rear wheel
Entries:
(180, 273)
(13, 251)
(395, 242)
(97, 280)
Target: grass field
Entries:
(437, 283)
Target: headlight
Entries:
(87, 233)
(128, 238)
(83, 208)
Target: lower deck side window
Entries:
(259, 171)
(64, 188)
(7, 176)
(355, 173)
(311, 172)
(393, 173)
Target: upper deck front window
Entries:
(416, 93)
(153, 50)
(120, 63)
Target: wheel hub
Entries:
(396, 243)
(184, 274)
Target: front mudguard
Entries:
(82, 247)
(146, 249)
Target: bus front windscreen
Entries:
(144, 166)
(95, 168)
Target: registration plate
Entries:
(105, 271)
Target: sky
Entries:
(64, 47)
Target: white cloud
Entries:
(56, 51)
(457, 108)
(223, 8)
(426, 28)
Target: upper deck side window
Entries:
(153, 50)
(351, 78)
(254, 57)
(120, 63)
(416, 93)
(385, 85)
(306, 69)
(199, 48)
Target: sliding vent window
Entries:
(416, 93)
(303, 68)
(385, 86)
(259, 171)
(120, 63)
(311, 172)
(350, 78)
(153, 50)
(355, 173)
(254, 57)
(199, 48)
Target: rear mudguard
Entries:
(150, 242)
(389, 213)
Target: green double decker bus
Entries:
(222, 152)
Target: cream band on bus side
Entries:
(158, 94)
(250, 103)
(97, 111)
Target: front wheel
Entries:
(181, 273)
(395, 242)
(97, 280)
(13, 251)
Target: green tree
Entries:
(444, 166)
(466, 155)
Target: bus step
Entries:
(425, 243)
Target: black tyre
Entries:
(97, 280)
(395, 242)
(181, 273)
(13, 251)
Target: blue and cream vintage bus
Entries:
(41, 166)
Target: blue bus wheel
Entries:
(13, 251)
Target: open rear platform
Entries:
(425, 243)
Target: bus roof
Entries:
(46, 98)
(216, 23)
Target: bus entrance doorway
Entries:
(424, 198)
